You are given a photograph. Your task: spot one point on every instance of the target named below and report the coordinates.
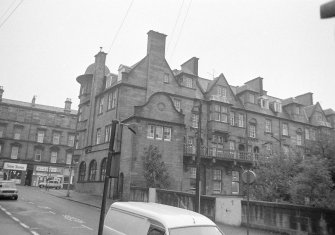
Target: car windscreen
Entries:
(7, 185)
(196, 230)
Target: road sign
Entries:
(248, 176)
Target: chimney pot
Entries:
(1, 92)
(68, 103)
(33, 101)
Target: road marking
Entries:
(70, 218)
(8, 213)
(44, 207)
(87, 227)
(31, 203)
(17, 220)
(52, 212)
(24, 225)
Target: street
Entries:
(39, 212)
(36, 212)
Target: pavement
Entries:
(95, 201)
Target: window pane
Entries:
(68, 158)
(216, 174)
(193, 172)
(53, 157)
(56, 137)
(40, 136)
(216, 186)
(167, 133)
(70, 140)
(224, 118)
(235, 188)
(235, 176)
(15, 152)
(114, 101)
(159, 133)
(98, 137)
(151, 132)
(38, 154)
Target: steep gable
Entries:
(159, 107)
(214, 87)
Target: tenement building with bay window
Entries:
(239, 124)
(36, 141)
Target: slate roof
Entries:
(329, 112)
(37, 106)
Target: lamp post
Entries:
(109, 173)
(197, 177)
(68, 185)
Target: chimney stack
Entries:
(1, 92)
(156, 44)
(191, 66)
(67, 107)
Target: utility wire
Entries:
(118, 30)
(11, 13)
(10, 6)
(181, 29)
(175, 24)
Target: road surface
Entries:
(36, 212)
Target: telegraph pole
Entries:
(197, 182)
(107, 176)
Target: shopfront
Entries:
(44, 173)
(14, 171)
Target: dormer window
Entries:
(188, 82)
(252, 98)
(297, 110)
(277, 107)
(264, 103)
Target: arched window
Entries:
(82, 171)
(103, 169)
(92, 170)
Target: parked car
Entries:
(144, 218)
(8, 189)
(50, 184)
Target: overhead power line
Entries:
(7, 10)
(181, 29)
(123, 20)
(175, 24)
(11, 13)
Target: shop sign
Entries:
(15, 166)
(47, 169)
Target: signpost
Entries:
(248, 177)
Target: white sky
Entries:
(45, 45)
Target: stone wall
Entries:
(289, 219)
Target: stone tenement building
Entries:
(238, 124)
(36, 141)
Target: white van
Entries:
(142, 218)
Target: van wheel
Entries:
(15, 197)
